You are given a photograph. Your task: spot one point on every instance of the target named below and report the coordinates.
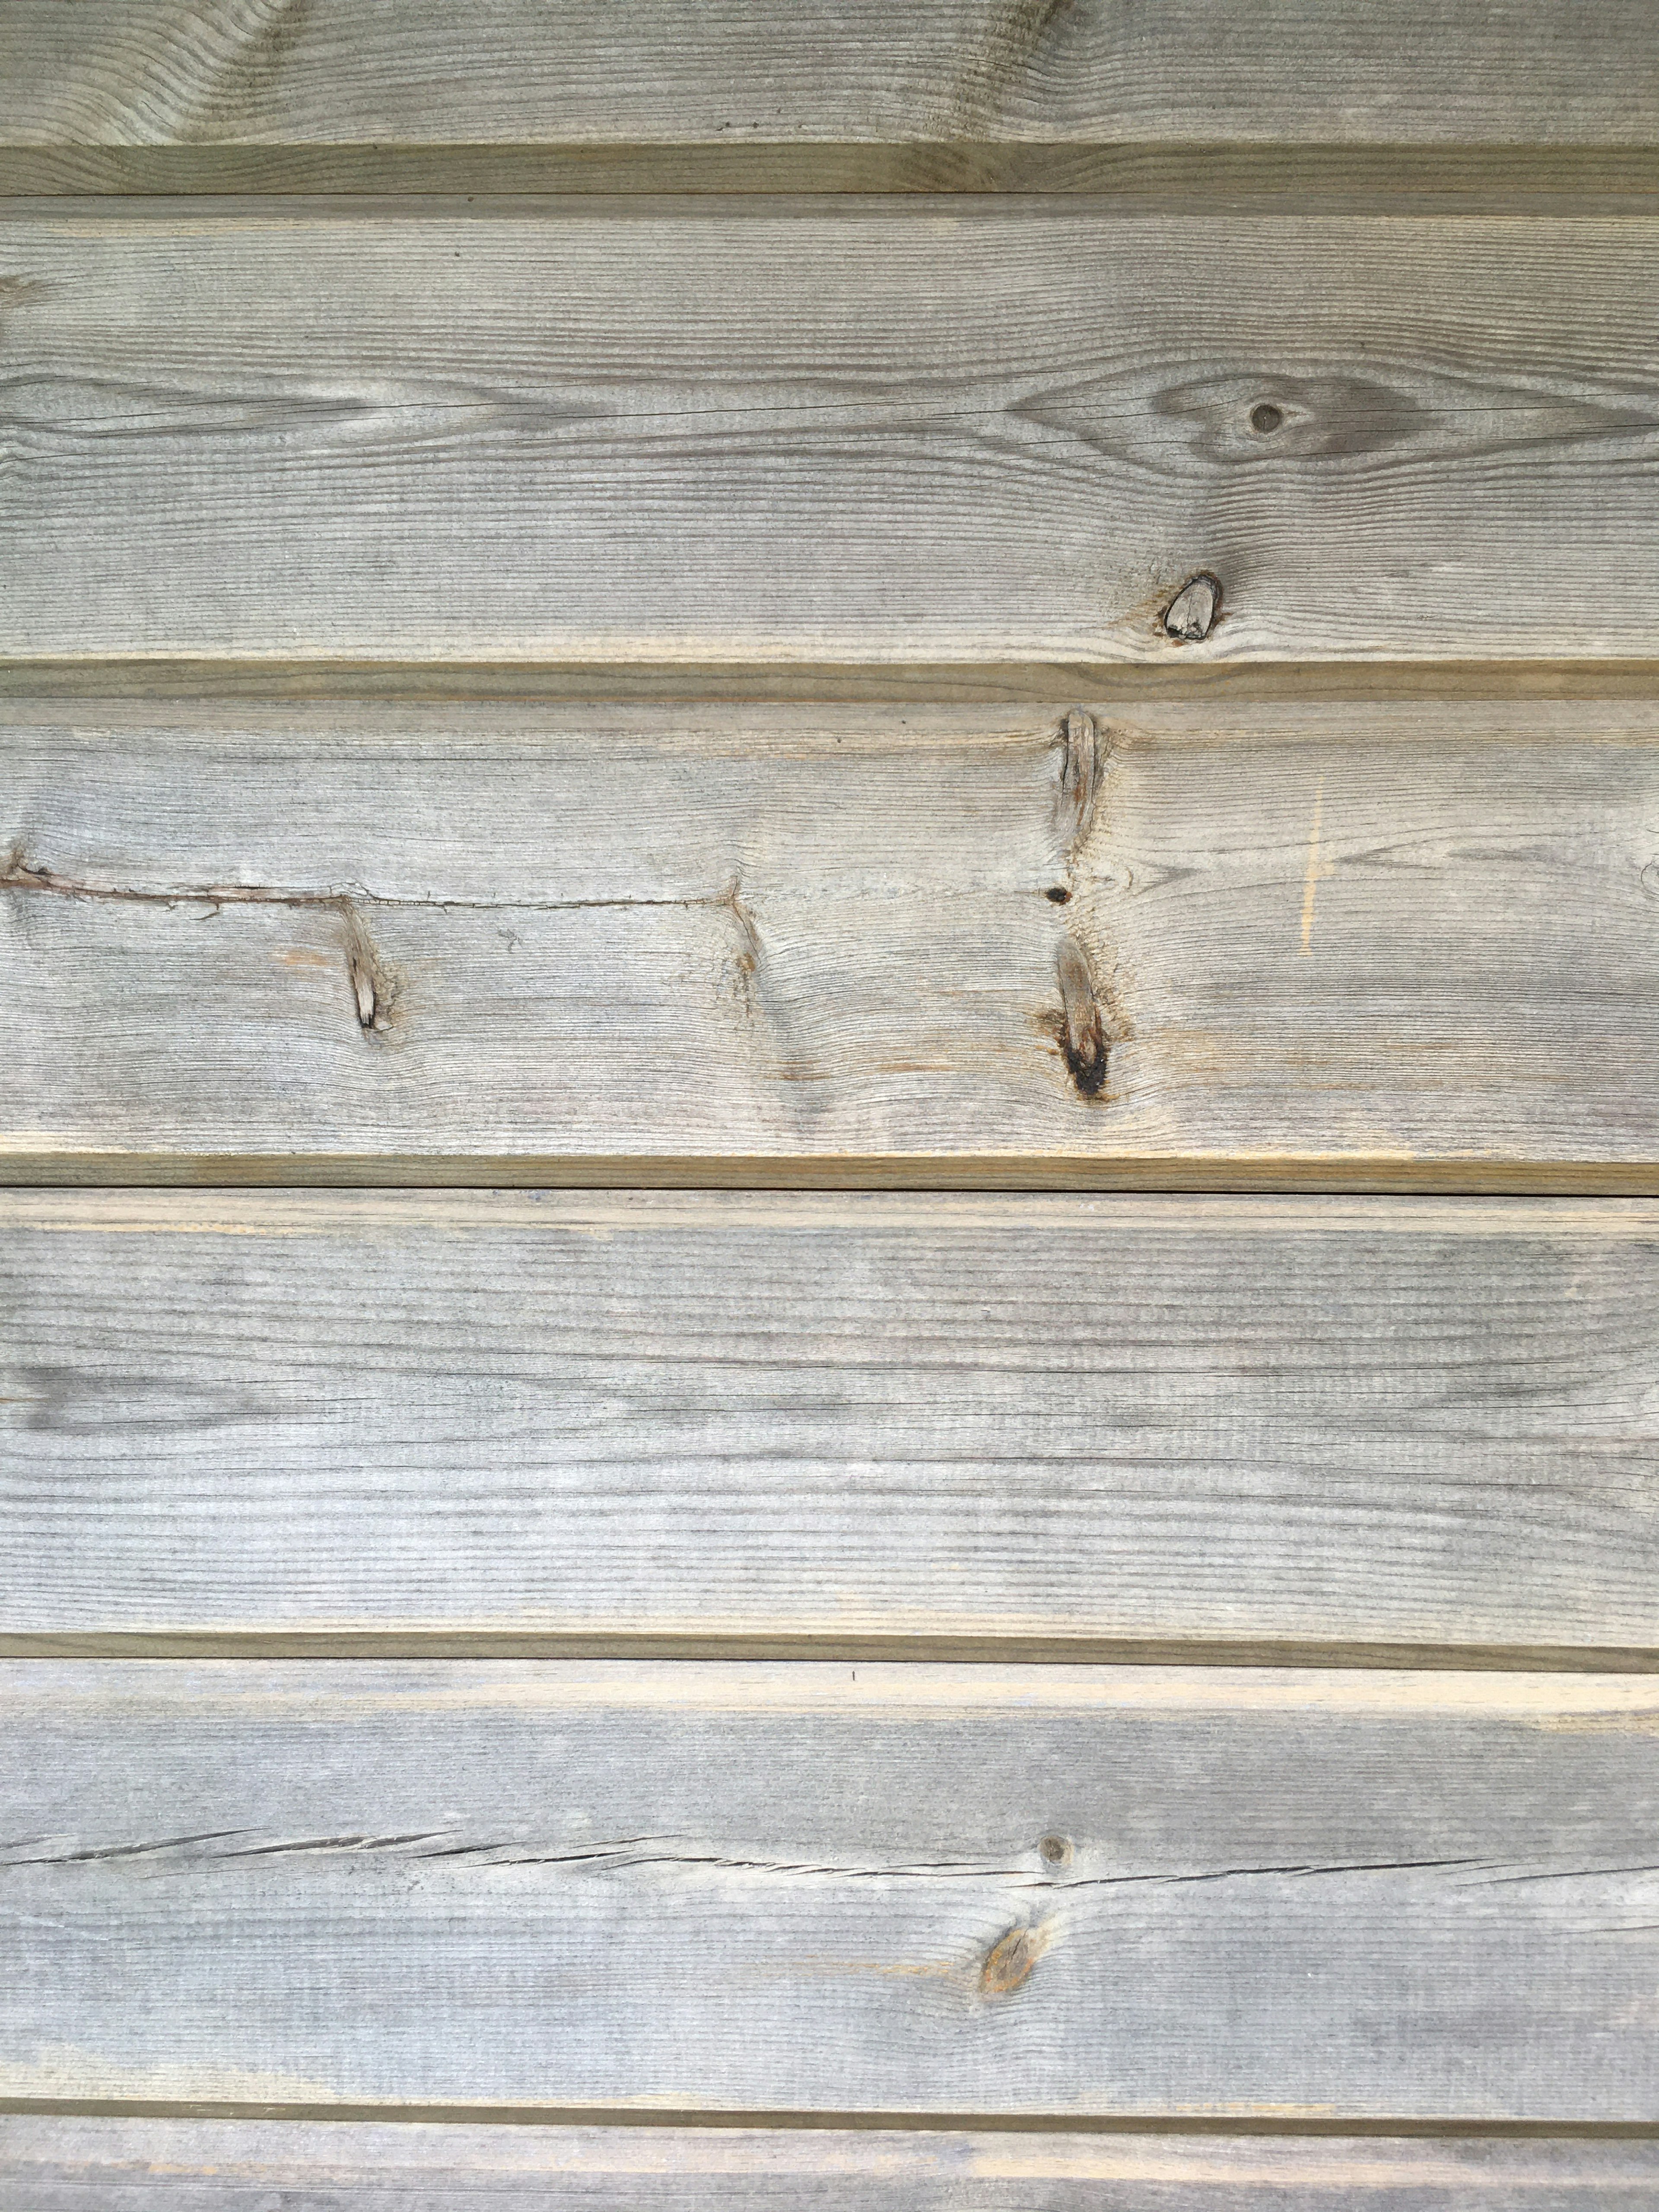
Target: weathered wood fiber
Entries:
(1406, 1422)
(1340, 939)
(191, 71)
(1052, 1891)
(969, 430)
(69, 2165)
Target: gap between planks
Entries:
(1291, 2125)
(1274, 178)
(1054, 683)
(917, 1173)
(991, 1650)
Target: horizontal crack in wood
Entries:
(18, 876)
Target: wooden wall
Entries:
(829, 950)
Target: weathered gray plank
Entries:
(575, 1889)
(1335, 940)
(770, 430)
(1400, 1422)
(68, 2164)
(134, 71)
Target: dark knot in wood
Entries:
(1192, 614)
(1085, 1039)
(1008, 1961)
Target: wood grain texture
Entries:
(1352, 940)
(966, 430)
(69, 2165)
(1404, 1423)
(278, 72)
(751, 1889)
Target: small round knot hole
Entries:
(1266, 418)
(1059, 895)
(1055, 1851)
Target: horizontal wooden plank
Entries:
(135, 72)
(873, 431)
(1147, 938)
(569, 1889)
(1404, 1423)
(64, 2164)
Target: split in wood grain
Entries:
(373, 988)
(374, 985)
